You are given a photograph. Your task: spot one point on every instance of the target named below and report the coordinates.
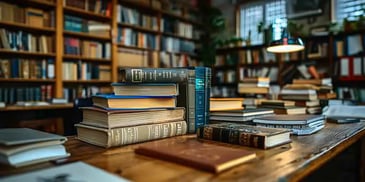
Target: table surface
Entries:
(289, 162)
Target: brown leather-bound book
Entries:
(198, 154)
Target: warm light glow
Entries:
(285, 48)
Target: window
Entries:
(272, 12)
(350, 9)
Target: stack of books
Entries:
(239, 116)
(194, 87)
(283, 107)
(134, 113)
(254, 86)
(300, 124)
(24, 146)
(304, 95)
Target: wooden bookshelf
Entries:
(45, 107)
(57, 10)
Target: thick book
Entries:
(289, 119)
(198, 154)
(282, 103)
(154, 89)
(112, 118)
(133, 102)
(129, 135)
(245, 135)
(153, 75)
(221, 104)
(24, 146)
(77, 171)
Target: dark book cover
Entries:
(245, 135)
(154, 75)
(198, 154)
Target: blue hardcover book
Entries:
(133, 102)
(202, 95)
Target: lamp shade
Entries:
(286, 44)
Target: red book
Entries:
(198, 154)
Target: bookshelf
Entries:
(233, 64)
(73, 38)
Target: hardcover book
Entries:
(245, 135)
(24, 146)
(129, 135)
(289, 119)
(113, 118)
(281, 103)
(220, 104)
(153, 75)
(133, 102)
(198, 154)
(154, 89)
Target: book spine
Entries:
(232, 136)
(208, 77)
(199, 97)
(142, 133)
(153, 75)
(190, 99)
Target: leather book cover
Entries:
(198, 154)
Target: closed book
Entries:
(153, 75)
(198, 154)
(133, 102)
(112, 118)
(155, 89)
(282, 103)
(243, 113)
(245, 135)
(129, 135)
(289, 119)
(290, 110)
(24, 146)
(220, 104)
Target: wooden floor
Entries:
(291, 162)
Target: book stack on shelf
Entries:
(299, 124)
(283, 107)
(243, 116)
(245, 135)
(135, 113)
(254, 87)
(24, 146)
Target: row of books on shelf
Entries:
(70, 94)
(270, 72)
(316, 49)
(225, 76)
(12, 95)
(351, 93)
(77, 24)
(128, 57)
(134, 17)
(102, 7)
(24, 41)
(254, 56)
(350, 68)
(223, 91)
(130, 37)
(26, 15)
(91, 49)
(85, 71)
(349, 45)
(27, 68)
(176, 27)
(171, 44)
(170, 60)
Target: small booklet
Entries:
(75, 172)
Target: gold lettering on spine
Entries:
(245, 139)
(208, 133)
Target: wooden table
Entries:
(290, 162)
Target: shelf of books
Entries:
(27, 51)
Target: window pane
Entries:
(250, 18)
(350, 9)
